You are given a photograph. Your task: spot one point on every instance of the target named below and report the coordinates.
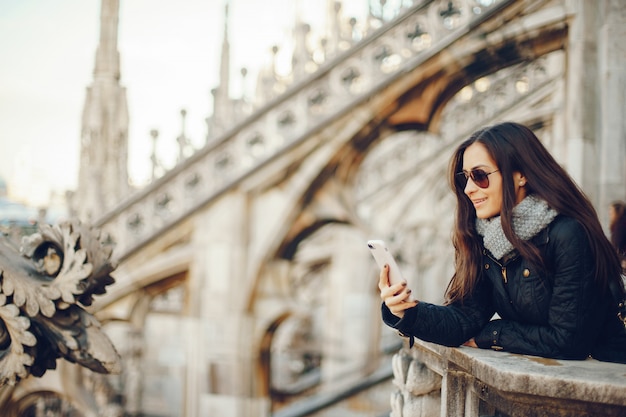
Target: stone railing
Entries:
(433, 380)
(305, 108)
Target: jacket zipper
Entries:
(502, 269)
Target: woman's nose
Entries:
(470, 187)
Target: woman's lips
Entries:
(478, 202)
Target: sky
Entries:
(169, 57)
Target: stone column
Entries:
(612, 89)
(352, 330)
(596, 87)
(221, 379)
(581, 95)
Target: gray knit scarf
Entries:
(530, 217)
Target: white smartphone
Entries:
(383, 257)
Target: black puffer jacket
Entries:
(559, 313)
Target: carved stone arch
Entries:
(139, 336)
(398, 197)
(325, 199)
(68, 390)
(37, 403)
(269, 352)
(430, 87)
(297, 291)
(264, 364)
(331, 285)
(318, 204)
(329, 197)
(126, 323)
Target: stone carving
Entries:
(418, 389)
(44, 287)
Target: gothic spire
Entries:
(103, 171)
(224, 63)
(222, 104)
(107, 55)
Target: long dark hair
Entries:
(515, 148)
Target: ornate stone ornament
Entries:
(44, 289)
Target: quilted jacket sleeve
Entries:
(450, 325)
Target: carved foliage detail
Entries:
(14, 337)
(43, 289)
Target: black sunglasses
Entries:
(479, 176)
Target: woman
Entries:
(529, 247)
(617, 229)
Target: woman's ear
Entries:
(519, 179)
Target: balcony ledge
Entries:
(470, 382)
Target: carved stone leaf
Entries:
(13, 360)
(74, 268)
(28, 291)
(70, 279)
(72, 273)
(99, 257)
(79, 338)
(86, 261)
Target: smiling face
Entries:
(488, 201)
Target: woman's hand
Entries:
(395, 297)
(471, 343)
